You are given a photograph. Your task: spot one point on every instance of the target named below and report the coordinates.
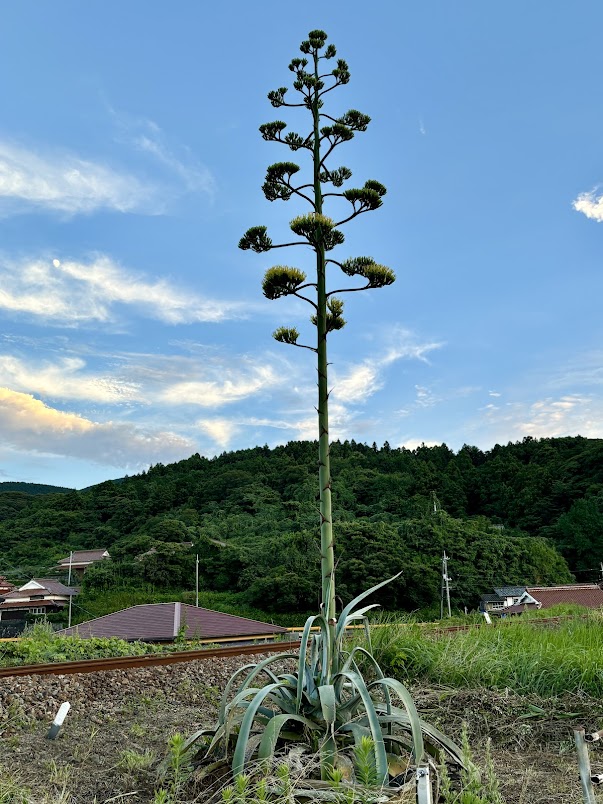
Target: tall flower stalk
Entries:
(325, 706)
(322, 234)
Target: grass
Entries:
(520, 655)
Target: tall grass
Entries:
(520, 655)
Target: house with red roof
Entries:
(164, 622)
(515, 600)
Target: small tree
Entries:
(321, 233)
(326, 704)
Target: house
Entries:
(516, 599)
(5, 586)
(38, 596)
(589, 595)
(163, 622)
(503, 597)
(81, 560)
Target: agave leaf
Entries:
(353, 603)
(357, 730)
(238, 761)
(303, 645)
(328, 702)
(227, 688)
(411, 709)
(219, 735)
(431, 733)
(359, 615)
(373, 720)
(273, 731)
(375, 665)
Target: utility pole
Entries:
(445, 588)
(70, 592)
(197, 581)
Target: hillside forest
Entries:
(529, 512)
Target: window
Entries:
(497, 605)
(37, 610)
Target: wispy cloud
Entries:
(231, 386)
(68, 184)
(71, 292)
(178, 160)
(590, 204)
(362, 381)
(549, 417)
(28, 424)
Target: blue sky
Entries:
(134, 330)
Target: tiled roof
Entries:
(83, 557)
(31, 604)
(489, 598)
(509, 591)
(161, 621)
(583, 594)
(56, 587)
(47, 586)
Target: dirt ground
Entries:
(110, 754)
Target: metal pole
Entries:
(588, 791)
(423, 785)
(446, 579)
(442, 591)
(70, 592)
(197, 581)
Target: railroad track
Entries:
(157, 659)
(148, 660)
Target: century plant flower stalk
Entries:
(321, 233)
(325, 704)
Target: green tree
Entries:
(313, 80)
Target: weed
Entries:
(178, 770)
(82, 750)
(11, 789)
(473, 788)
(132, 762)
(136, 730)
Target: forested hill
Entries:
(31, 488)
(252, 516)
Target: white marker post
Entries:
(58, 721)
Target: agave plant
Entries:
(327, 703)
(328, 711)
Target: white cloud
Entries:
(551, 417)
(230, 386)
(146, 136)
(71, 292)
(28, 424)
(67, 183)
(590, 204)
(425, 397)
(363, 380)
(65, 379)
(220, 430)
(415, 443)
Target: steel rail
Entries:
(148, 660)
(158, 659)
